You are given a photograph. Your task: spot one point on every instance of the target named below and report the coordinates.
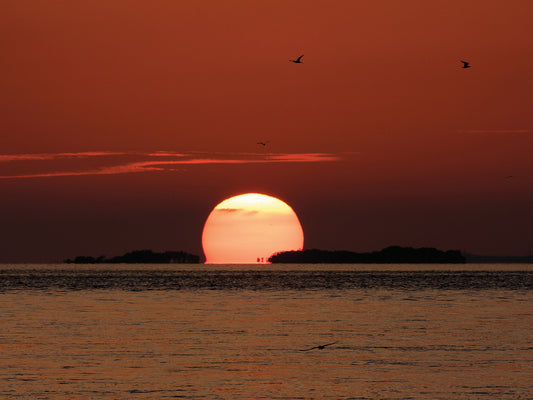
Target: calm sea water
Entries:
(237, 332)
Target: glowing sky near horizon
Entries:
(124, 122)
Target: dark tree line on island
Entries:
(389, 255)
(140, 257)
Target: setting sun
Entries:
(249, 228)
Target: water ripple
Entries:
(138, 280)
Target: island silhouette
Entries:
(140, 257)
(389, 255)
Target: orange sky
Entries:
(123, 123)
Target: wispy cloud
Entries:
(54, 156)
(235, 210)
(18, 166)
(303, 157)
(498, 131)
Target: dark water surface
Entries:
(124, 279)
(230, 332)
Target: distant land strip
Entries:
(140, 257)
(477, 259)
(389, 255)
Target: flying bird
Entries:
(264, 143)
(466, 64)
(319, 347)
(298, 60)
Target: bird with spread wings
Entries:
(298, 60)
(319, 347)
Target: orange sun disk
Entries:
(249, 228)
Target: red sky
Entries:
(123, 123)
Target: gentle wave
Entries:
(139, 280)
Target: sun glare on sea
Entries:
(249, 228)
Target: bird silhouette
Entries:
(298, 60)
(319, 347)
(264, 143)
(466, 64)
(508, 177)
